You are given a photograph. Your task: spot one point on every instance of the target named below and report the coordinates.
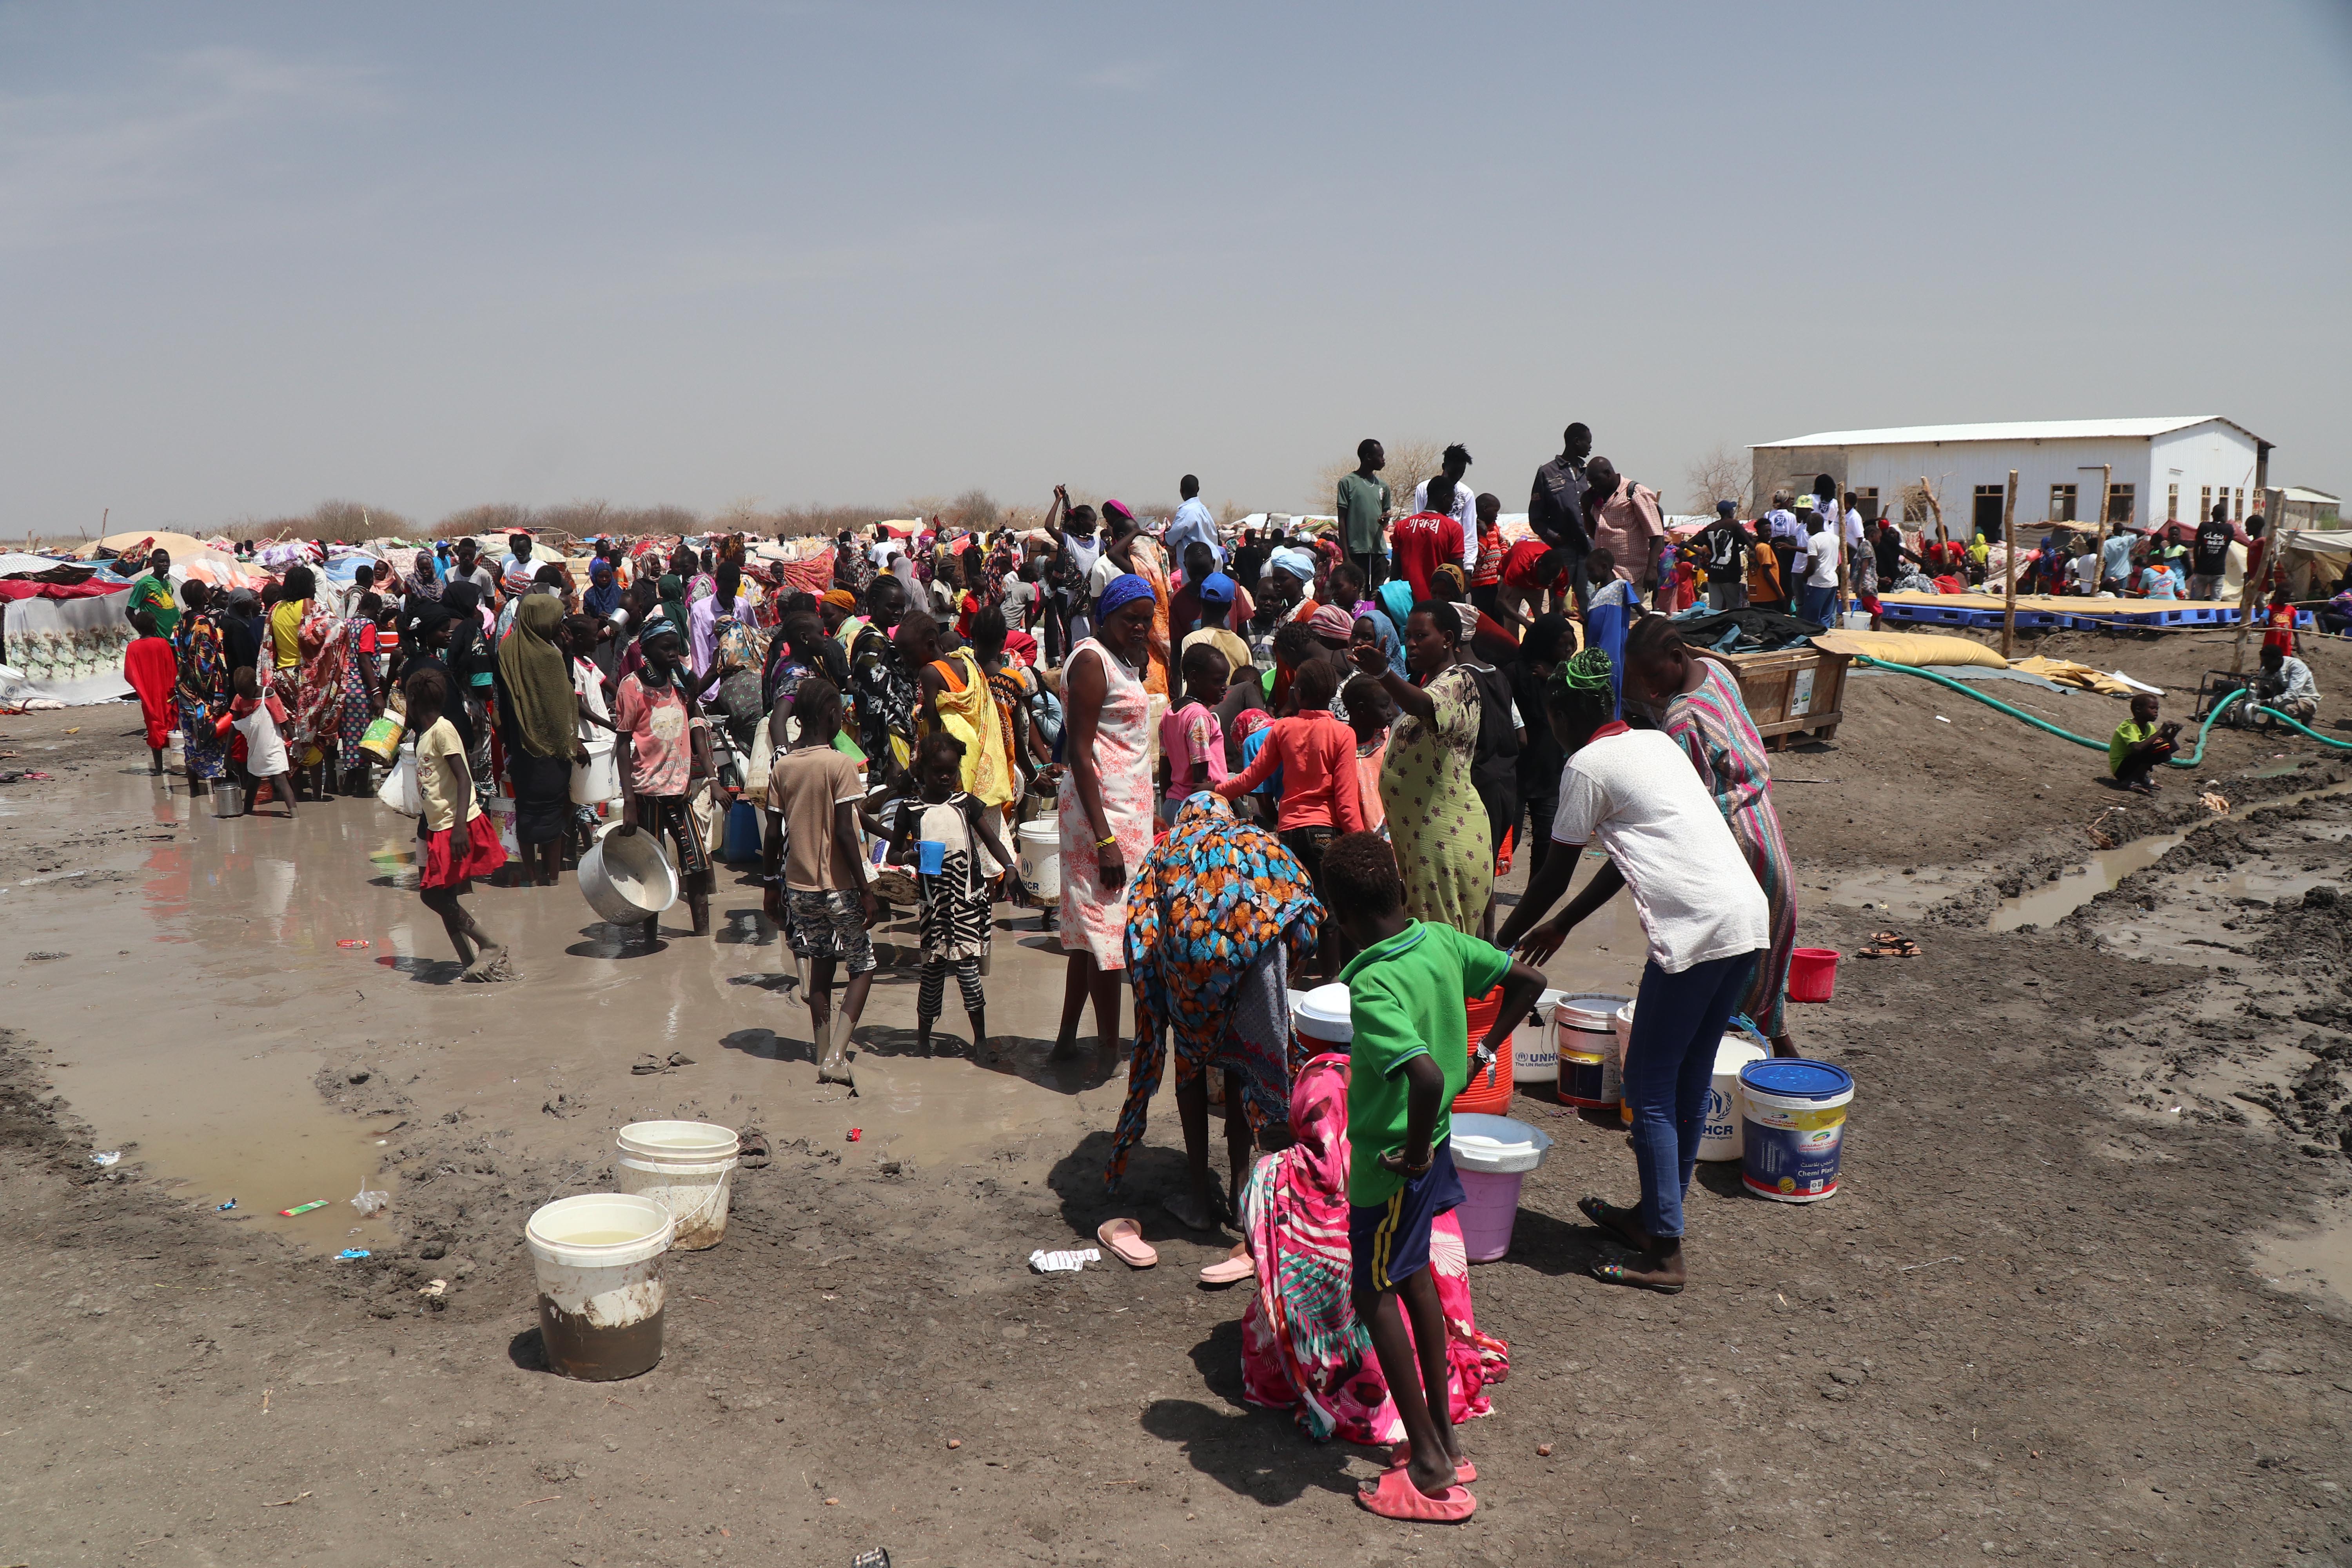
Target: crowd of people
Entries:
(1271, 757)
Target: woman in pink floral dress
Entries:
(1106, 802)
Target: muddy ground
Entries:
(2084, 1298)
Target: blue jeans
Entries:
(1815, 605)
(1678, 1021)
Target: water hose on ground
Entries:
(2191, 760)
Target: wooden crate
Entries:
(1795, 691)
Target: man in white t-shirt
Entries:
(1634, 793)
(1819, 598)
(1464, 509)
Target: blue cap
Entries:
(1216, 588)
(1798, 1077)
(1725, 507)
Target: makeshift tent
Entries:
(2315, 559)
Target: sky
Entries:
(254, 256)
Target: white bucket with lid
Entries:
(1492, 1154)
(1535, 1052)
(598, 1258)
(1719, 1136)
(1038, 848)
(1321, 1016)
(688, 1168)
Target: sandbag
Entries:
(1919, 650)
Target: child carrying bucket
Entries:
(1408, 989)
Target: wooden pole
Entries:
(2008, 565)
(2107, 478)
(1935, 507)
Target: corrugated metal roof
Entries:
(2020, 430)
(2296, 492)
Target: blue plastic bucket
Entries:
(1793, 1126)
(742, 840)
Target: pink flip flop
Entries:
(1397, 1498)
(1124, 1237)
(1229, 1270)
(1402, 1455)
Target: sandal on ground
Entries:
(1465, 1472)
(1123, 1238)
(1231, 1270)
(1395, 1497)
(646, 1064)
(1622, 1224)
(1617, 1274)
(1890, 944)
(752, 1152)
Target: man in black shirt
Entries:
(1727, 546)
(1249, 561)
(2209, 559)
(1556, 504)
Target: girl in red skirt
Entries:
(456, 842)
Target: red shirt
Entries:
(1424, 542)
(1317, 754)
(1519, 566)
(1491, 551)
(2279, 631)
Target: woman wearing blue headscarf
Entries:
(1105, 805)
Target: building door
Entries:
(1990, 500)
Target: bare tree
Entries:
(1722, 474)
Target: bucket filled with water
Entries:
(1492, 1154)
(598, 1258)
(1792, 1127)
(687, 1167)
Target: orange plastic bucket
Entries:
(1480, 1097)
(1812, 973)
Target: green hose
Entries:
(2190, 761)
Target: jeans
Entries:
(1816, 605)
(1678, 1021)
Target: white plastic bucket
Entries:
(1718, 1136)
(688, 1168)
(1321, 1016)
(1038, 848)
(597, 780)
(1584, 1025)
(500, 810)
(1792, 1113)
(598, 1258)
(1535, 1052)
(1492, 1154)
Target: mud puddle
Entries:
(2077, 885)
(2318, 1260)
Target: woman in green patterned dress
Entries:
(1438, 824)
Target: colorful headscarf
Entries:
(1124, 589)
(841, 596)
(1208, 901)
(1588, 669)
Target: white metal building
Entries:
(2163, 470)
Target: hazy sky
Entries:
(252, 257)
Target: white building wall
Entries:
(2212, 454)
(1954, 470)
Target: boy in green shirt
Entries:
(1411, 1055)
(2139, 744)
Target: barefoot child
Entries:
(456, 842)
(812, 849)
(2140, 745)
(955, 896)
(1411, 1055)
(257, 718)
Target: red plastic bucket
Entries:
(1812, 973)
(1495, 1099)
